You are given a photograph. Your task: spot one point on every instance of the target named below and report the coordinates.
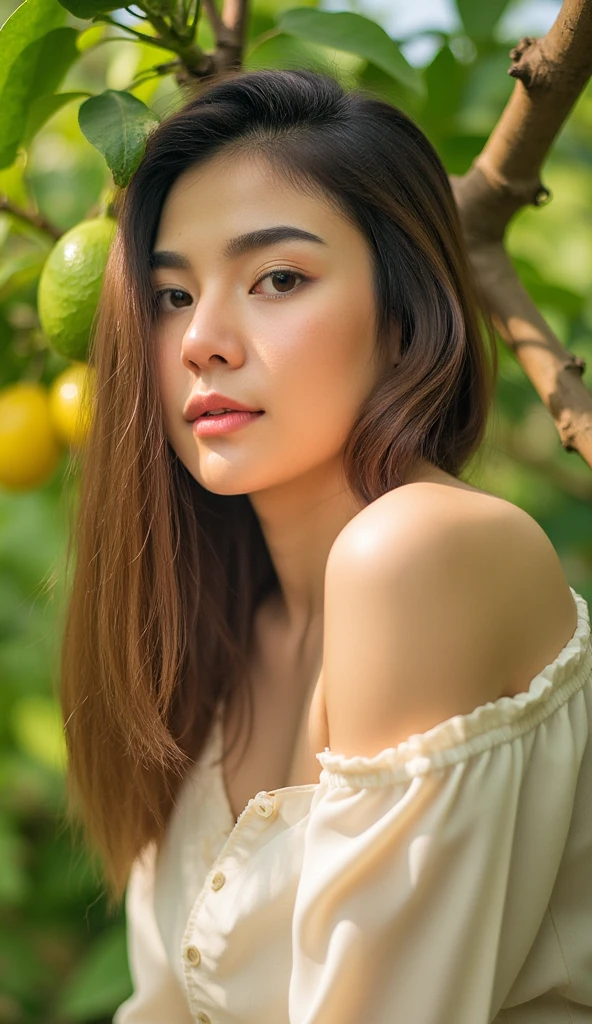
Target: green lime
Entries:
(70, 285)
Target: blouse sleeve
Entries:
(157, 997)
(427, 869)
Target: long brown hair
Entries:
(168, 575)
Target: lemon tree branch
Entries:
(36, 219)
(229, 30)
(550, 74)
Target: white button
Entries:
(264, 804)
(202, 1018)
(218, 880)
(193, 955)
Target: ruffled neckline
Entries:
(461, 736)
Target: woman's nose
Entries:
(210, 333)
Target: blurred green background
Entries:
(62, 957)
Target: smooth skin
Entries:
(424, 604)
(436, 602)
(300, 348)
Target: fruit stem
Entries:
(108, 203)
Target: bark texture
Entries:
(550, 74)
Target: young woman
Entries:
(404, 832)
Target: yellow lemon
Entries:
(70, 403)
(29, 448)
(70, 285)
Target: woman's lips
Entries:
(226, 423)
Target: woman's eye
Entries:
(283, 279)
(176, 294)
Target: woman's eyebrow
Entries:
(238, 246)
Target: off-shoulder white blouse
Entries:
(447, 880)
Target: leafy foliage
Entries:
(118, 124)
(354, 34)
(479, 20)
(89, 8)
(33, 61)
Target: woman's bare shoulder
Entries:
(523, 581)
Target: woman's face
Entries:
(286, 327)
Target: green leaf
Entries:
(33, 60)
(354, 34)
(12, 182)
(445, 80)
(90, 8)
(90, 36)
(385, 87)
(280, 50)
(118, 125)
(480, 18)
(38, 70)
(27, 24)
(45, 107)
(101, 982)
(57, 53)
